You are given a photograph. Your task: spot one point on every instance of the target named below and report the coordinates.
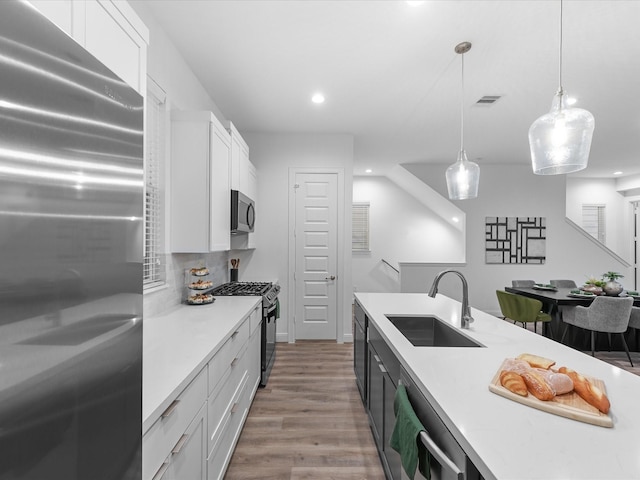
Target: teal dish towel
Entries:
(404, 438)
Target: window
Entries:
(360, 227)
(593, 221)
(154, 271)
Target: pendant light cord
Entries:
(462, 106)
(560, 89)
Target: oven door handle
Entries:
(269, 310)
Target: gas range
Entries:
(270, 312)
(269, 291)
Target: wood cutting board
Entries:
(569, 405)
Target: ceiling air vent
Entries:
(488, 100)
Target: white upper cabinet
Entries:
(244, 178)
(109, 29)
(200, 193)
(243, 172)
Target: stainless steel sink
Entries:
(81, 331)
(430, 331)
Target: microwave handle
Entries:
(251, 216)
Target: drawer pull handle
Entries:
(234, 362)
(377, 358)
(170, 409)
(233, 335)
(234, 409)
(161, 470)
(180, 444)
(382, 369)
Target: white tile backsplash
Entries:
(175, 292)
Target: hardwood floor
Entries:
(309, 422)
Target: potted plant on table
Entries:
(593, 285)
(612, 287)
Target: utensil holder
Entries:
(233, 274)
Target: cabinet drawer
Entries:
(223, 403)
(229, 430)
(227, 355)
(254, 319)
(167, 430)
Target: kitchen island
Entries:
(505, 439)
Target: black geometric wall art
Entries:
(515, 240)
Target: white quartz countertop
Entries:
(179, 343)
(505, 439)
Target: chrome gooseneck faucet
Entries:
(465, 316)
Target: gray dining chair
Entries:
(522, 283)
(605, 314)
(563, 283)
(634, 322)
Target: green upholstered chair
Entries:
(522, 309)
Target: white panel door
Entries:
(316, 255)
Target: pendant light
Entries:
(561, 139)
(463, 176)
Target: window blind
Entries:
(593, 221)
(154, 270)
(360, 227)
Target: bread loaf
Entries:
(589, 392)
(537, 361)
(537, 386)
(559, 382)
(513, 382)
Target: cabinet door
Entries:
(220, 196)
(359, 352)
(116, 36)
(236, 149)
(59, 12)
(376, 397)
(188, 457)
(392, 457)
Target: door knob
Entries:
(332, 277)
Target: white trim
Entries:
(342, 269)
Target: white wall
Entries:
(514, 191)
(274, 155)
(602, 191)
(401, 230)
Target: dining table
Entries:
(556, 299)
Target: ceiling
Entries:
(391, 77)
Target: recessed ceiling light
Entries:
(368, 170)
(317, 98)
(415, 3)
(618, 173)
(455, 219)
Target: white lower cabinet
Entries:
(195, 436)
(188, 456)
(230, 398)
(168, 432)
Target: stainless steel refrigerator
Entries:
(71, 229)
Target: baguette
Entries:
(513, 382)
(589, 392)
(538, 386)
(537, 361)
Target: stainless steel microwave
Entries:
(243, 213)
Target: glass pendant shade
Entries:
(463, 178)
(560, 140)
